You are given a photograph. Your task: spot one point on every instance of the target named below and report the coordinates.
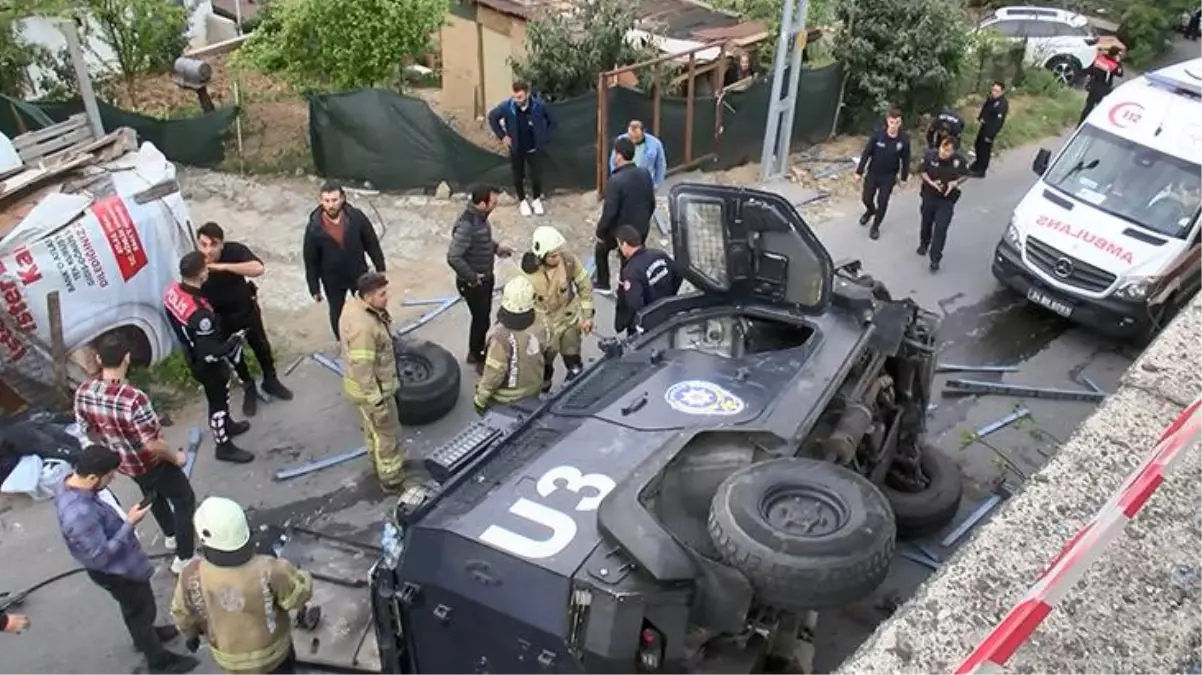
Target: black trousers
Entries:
(479, 304)
(173, 506)
(251, 320)
(601, 251)
(875, 196)
(936, 218)
(287, 666)
(1092, 99)
(138, 609)
(335, 300)
(983, 146)
(523, 164)
(216, 384)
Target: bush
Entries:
(567, 51)
(904, 53)
(16, 56)
(319, 45)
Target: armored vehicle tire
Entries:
(429, 381)
(807, 534)
(926, 511)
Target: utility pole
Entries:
(778, 132)
(71, 33)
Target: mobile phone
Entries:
(147, 500)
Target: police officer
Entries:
(947, 124)
(1102, 72)
(370, 377)
(563, 294)
(209, 351)
(519, 347)
(239, 600)
(991, 118)
(885, 157)
(647, 276)
(234, 298)
(943, 170)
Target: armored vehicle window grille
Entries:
(1066, 268)
(589, 393)
(705, 239)
(510, 456)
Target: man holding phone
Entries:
(209, 351)
(119, 416)
(108, 549)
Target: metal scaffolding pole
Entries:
(778, 132)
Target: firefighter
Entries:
(519, 347)
(563, 294)
(208, 350)
(237, 599)
(370, 376)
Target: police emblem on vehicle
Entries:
(698, 397)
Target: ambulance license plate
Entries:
(1044, 300)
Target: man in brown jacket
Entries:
(239, 600)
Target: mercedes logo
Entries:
(1063, 268)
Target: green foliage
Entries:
(1145, 29)
(818, 13)
(319, 45)
(169, 382)
(16, 55)
(904, 53)
(146, 36)
(567, 51)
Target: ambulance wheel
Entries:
(429, 378)
(807, 534)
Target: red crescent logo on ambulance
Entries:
(1127, 114)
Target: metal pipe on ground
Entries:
(318, 465)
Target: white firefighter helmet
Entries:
(518, 296)
(221, 524)
(547, 240)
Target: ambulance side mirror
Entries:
(1040, 165)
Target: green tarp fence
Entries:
(196, 141)
(399, 143)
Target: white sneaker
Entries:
(524, 207)
(169, 543)
(179, 564)
(538, 207)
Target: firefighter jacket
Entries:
(563, 293)
(206, 347)
(242, 610)
(368, 354)
(514, 363)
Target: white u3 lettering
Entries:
(561, 526)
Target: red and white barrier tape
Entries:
(1067, 568)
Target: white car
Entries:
(1056, 39)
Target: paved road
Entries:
(76, 628)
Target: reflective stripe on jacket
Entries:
(368, 355)
(513, 363)
(562, 293)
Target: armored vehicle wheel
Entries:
(808, 534)
(921, 509)
(429, 381)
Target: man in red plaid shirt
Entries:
(116, 414)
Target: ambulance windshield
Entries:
(1138, 184)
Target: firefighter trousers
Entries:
(382, 435)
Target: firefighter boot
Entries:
(574, 364)
(250, 398)
(223, 430)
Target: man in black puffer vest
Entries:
(337, 239)
(472, 254)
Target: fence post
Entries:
(688, 111)
(58, 348)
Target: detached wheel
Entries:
(429, 378)
(808, 534)
(923, 505)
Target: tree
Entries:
(567, 51)
(16, 56)
(323, 45)
(904, 53)
(146, 36)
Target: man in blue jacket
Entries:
(649, 154)
(523, 124)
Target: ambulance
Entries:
(1109, 235)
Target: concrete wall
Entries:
(1138, 608)
(478, 45)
